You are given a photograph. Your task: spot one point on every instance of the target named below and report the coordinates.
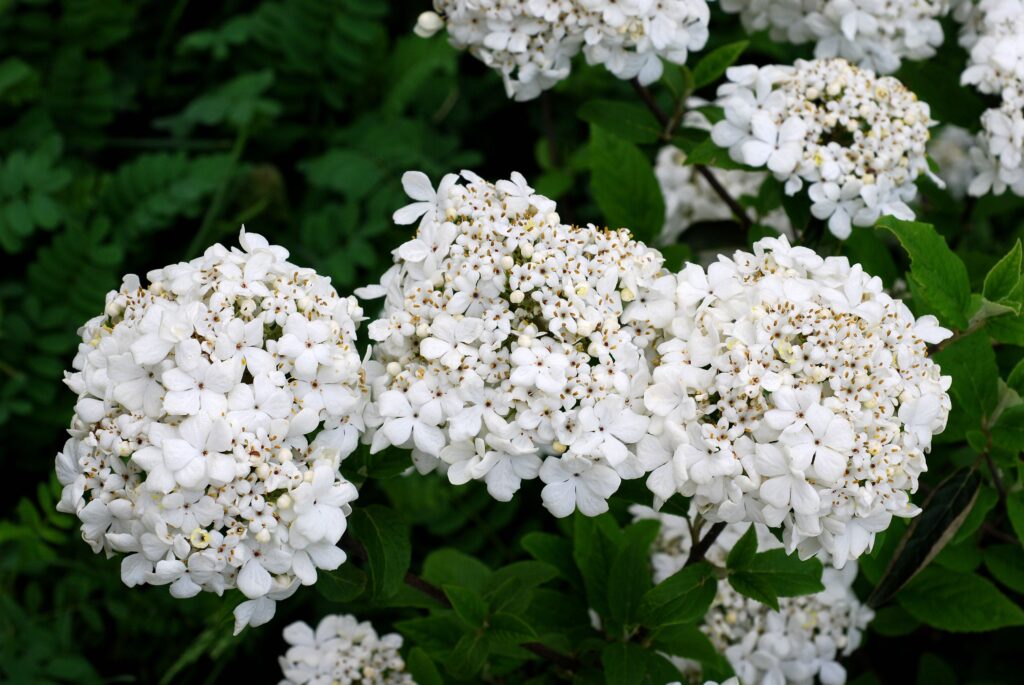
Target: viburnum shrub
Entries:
(728, 389)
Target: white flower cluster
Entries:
(794, 392)
(512, 345)
(994, 35)
(857, 139)
(799, 644)
(342, 651)
(532, 42)
(688, 197)
(874, 34)
(189, 448)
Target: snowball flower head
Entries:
(795, 393)
(994, 34)
(342, 650)
(531, 44)
(689, 199)
(857, 139)
(800, 643)
(190, 450)
(512, 345)
(874, 34)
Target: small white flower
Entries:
(577, 482)
(414, 415)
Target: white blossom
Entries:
(874, 34)
(859, 140)
(342, 650)
(532, 44)
(796, 393)
(520, 348)
(192, 449)
(801, 643)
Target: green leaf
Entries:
(1006, 564)
(972, 364)
(893, 620)
(624, 664)
(468, 605)
(958, 602)
(709, 154)
(452, 567)
(626, 120)
(743, 552)
(983, 504)
(631, 664)
(509, 629)
(711, 67)
(594, 550)
(422, 669)
(385, 536)
(1008, 431)
(678, 79)
(341, 585)
(623, 184)
(555, 551)
(681, 598)
(469, 655)
(344, 171)
(774, 574)
(869, 250)
(436, 634)
(686, 641)
(932, 670)
(943, 514)
(1015, 512)
(1006, 329)
(1016, 378)
(1004, 276)
(630, 574)
(19, 82)
(939, 276)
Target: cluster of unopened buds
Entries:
(857, 139)
(531, 44)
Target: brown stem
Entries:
(698, 551)
(734, 205)
(652, 105)
(996, 479)
(670, 124)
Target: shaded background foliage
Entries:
(135, 133)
